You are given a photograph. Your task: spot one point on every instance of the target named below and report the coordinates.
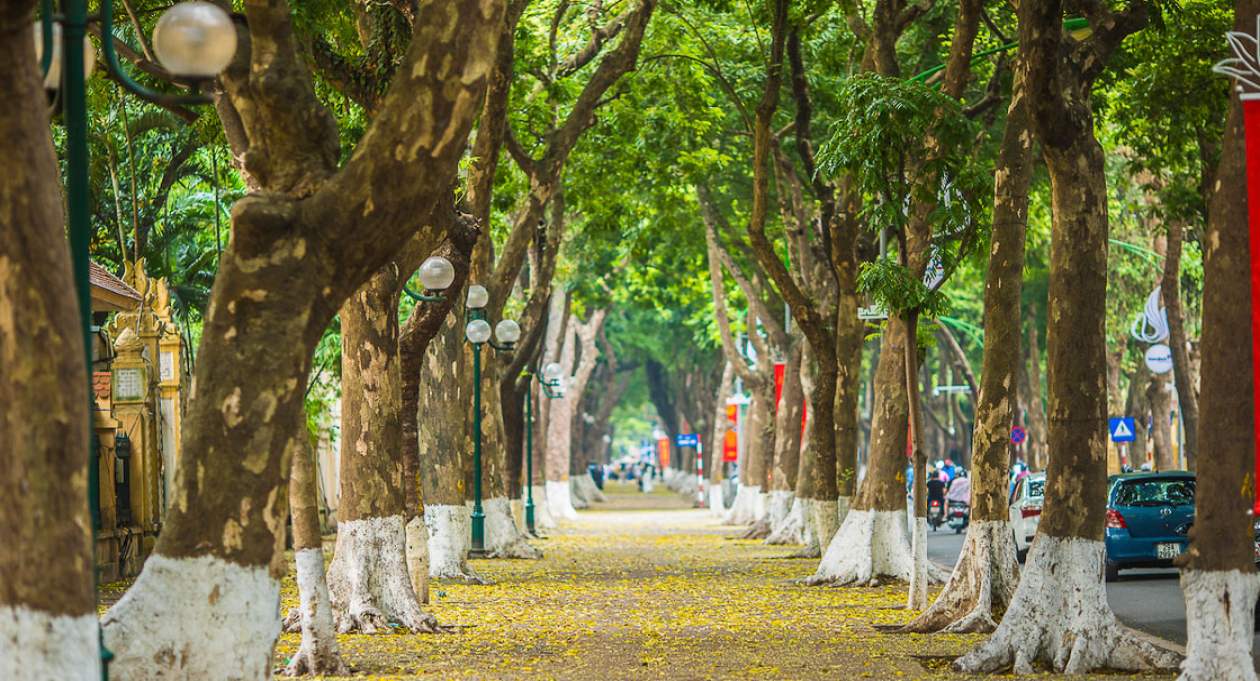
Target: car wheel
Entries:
(1111, 571)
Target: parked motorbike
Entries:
(935, 513)
(959, 516)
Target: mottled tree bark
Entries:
(1187, 399)
(311, 237)
(984, 577)
(1060, 609)
(48, 622)
(1030, 387)
(1218, 573)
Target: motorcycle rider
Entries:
(959, 491)
(936, 491)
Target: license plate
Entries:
(1167, 550)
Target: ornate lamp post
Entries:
(477, 331)
(554, 389)
(194, 41)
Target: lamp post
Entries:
(194, 41)
(551, 379)
(477, 331)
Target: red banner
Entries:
(730, 446)
(662, 448)
(1251, 116)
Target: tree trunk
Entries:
(1162, 455)
(1036, 409)
(421, 327)
(916, 599)
(368, 579)
(206, 603)
(1060, 609)
(984, 578)
(1187, 401)
(47, 604)
(1218, 573)
(560, 420)
(717, 442)
(1139, 407)
(787, 440)
(318, 654)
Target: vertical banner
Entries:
(662, 448)
(730, 441)
(1251, 116)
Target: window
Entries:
(1165, 492)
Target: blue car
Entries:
(1148, 517)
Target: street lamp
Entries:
(197, 42)
(477, 331)
(549, 382)
(436, 274)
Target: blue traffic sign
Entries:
(1018, 435)
(1121, 429)
(688, 440)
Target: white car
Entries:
(1025, 511)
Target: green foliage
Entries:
(897, 289)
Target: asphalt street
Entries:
(1147, 600)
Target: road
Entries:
(1146, 600)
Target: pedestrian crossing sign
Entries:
(1121, 429)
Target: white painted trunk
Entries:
(825, 518)
(761, 505)
(38, 645)
(649, 484)
(518, 512)
(688, 486)
(743, 510)
(503, 539)
(559, 502)
(195, 618)
(917, 598)
(984, 580)
(577, 496)
(870, 548)
(318, 654)
(1060, 613)
(418, 557)
(450, 538)
(368, 579)
(717, 504)
(542, 510)
(593, 492)
(782, 531)
(1220, 611)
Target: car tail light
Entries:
(1029, 511)
(1116, 521)
(935, 503)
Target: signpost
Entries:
(1159, 359)
(1018, 435)
(1121, 429)
(688, 440)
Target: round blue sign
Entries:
(1018, 435)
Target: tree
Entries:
(1060, 610)
(47, 603)
(985, 575)
(1219, 578)
(310, 234)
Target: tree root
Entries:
(1060, 613)
(758, 530)
(870, 549)
(983, 583)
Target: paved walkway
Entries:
(644, 587)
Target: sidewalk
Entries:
(645, 587)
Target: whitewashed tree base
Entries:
(318, 654)
(917, 597)
(542, 510)
(592, 492)
(195, 618)
(984, 580)
(869, 549)
(787, 520)
(559, 502)
(672, 479)
(688, 486)
(503, 539)
(1220, 611)
(518, 512)
(450, 538)
(1060, 613)
(743, 510)
(418, 557)
(717, 504)
(39, 645)
(577, 496)
(368, 579)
